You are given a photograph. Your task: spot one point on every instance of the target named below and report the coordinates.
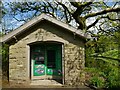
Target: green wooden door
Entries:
(38, 55)
(47, 60)
(53, 57)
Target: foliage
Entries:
(96, 18)
(104, 78)
(84, 15)
(5, 62)
(97, 82)
(5, 52)
(102, 60)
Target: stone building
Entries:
(45, 49)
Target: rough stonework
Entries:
(74, 64)
(73, 54)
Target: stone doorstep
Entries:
(45, 83)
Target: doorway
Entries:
(46, 61)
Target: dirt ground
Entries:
(6, 86)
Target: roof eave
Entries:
(36, 20)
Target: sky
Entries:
(10, 21)
(58, 0)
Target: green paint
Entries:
(47, 60)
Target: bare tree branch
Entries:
(76, 4)
(96, 21)
(86, 4)
(65, 11)
(19, 19)
(93, 24)
(103, 12)
(80, 5)
(115, 4)
(105, 4)
(59, 10)
(51, 7)
(112, 19)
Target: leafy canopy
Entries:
(92, 17)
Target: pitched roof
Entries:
(38, 19)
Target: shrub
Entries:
(112, 78)
(97, 82)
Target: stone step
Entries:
(45, 82)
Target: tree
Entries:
(80, 12)
(99, 19)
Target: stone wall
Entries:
(74, 64)
(73, 59)
(17, 64)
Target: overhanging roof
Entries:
(38, 19)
